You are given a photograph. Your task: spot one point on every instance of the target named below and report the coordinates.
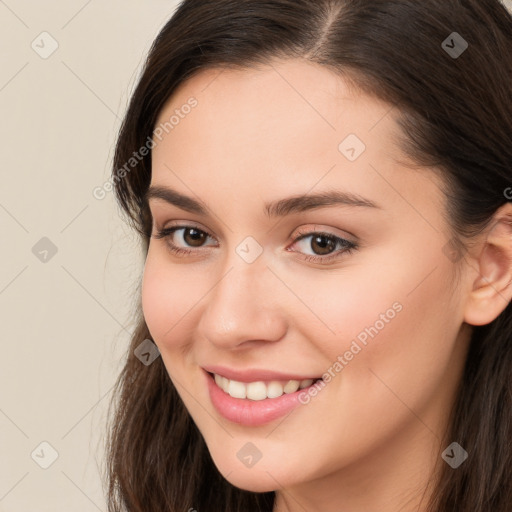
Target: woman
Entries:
(322, 194)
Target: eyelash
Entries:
(347, 246)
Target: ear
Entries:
(491, 289)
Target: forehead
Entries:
(287, 126)
(280, 92)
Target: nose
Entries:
(243, 307)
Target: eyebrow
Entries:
(280, 208)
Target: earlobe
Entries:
(491, 290)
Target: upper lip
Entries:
(254, 374)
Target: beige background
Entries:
(65, 320)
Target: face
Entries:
(355, 293)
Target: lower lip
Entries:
(248, 412)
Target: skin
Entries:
(371, 438)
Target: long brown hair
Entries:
(456, 116)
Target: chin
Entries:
(262, 477)
(249, 481)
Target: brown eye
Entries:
(189, 236)
(320, 247)
(322, 244)
(194, 237)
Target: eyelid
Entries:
(327, 231)
(301, 231)
(183, 224)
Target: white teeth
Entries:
(291, 386)
(237, 389)
(256, 390)
(274, 389)
(259, 390)
(305, 383)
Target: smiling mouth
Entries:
(260, 390)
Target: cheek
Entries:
(168, 296)
(392, 314)
(344, 305)
(402, 362)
